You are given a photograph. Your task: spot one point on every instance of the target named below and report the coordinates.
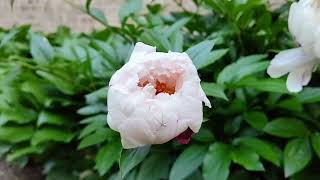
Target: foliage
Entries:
(53, 97)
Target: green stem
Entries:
(113, 29)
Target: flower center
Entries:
(160, 87)
(164, 79)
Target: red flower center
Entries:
(160, 87)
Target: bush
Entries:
(54, 88)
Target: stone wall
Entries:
(46, 15)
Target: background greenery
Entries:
(53, 96)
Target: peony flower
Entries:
(276, 4)
(295, 62)
(304, 25)
(155, 97)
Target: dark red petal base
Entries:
(185, 137)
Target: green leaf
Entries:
(264, 149)
(309, 95)
(176, 26)
(46, 117)
(131, 158)
(15, 32)
(291, 104)
(16, 134)
(93, 119)
(176, 41)
(8, 37)
(92, 127)
(41, 49)
(217, 162)
(155, 167)
(4, 148)
(99, 95)
(213, 89)
(62, 84)
(252, 58)
(243, 67)
(98, 137)
(264, 85)
(200, 52)
(204, 135)
(16, 154)
(287, 128)
(155, 38)
(240, 69)
(246, 158)
(39, 89)
(195, 175)
(100, 66)
(198, 49)
(256, 119)
(18, 114)
(315, 139)
(109, 53)
(98, 15)
(130, 7)
(132, 175)
(51, 134)
(233, 125)
(107, 156)
(210, 59)
(221, 7)
(297, 155)
(93, 109)
(187, 162)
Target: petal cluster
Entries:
(155, 97)
(299, 63)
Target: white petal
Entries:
(307, 75)
(141, 49)
(304, 18)
(140, 114)
(205, 99)
(294, 81)
(286, 61)
(294, 13)
(135, 133)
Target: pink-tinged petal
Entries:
(155, 97)
(141, 49)
(185, 137)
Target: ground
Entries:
(8, 172)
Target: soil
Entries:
(8, 172)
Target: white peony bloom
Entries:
(155, 97)
(297, 63)
(304, 25)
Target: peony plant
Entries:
(126, 102)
